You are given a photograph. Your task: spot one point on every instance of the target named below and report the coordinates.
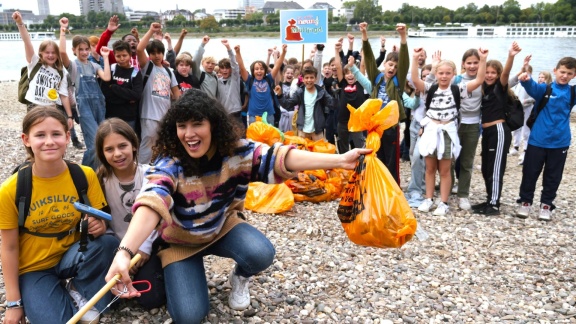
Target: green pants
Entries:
(468, 135)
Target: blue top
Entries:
(552, 127)
(260, 95)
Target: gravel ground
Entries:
(472, 268)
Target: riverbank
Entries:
(472, 269)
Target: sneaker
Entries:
(545, 213)
(92, 315)
(239, 295)
(513, 151)
(521, 159)
(524, 210)
(455, 189)
(464, 204)
(426, 205)
(441, 210)
(479, 208)
(490, 210)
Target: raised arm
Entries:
(105, 74)
(382, 56)
(233, 62)
(140, 50)
(279, 61)
(338, 62)
(512, 52)
(472, 85)
(243, 72)
(369, 60)
(360, 77)
(403, 57)
(418, 83)
(113, 25)
(28, 47)
(180, 41)
(197, 59)
(62, 45)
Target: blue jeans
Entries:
(92, 109)
(418, 167)
(46, 299)
(186, 286)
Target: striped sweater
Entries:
(198, 210)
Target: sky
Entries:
(72, 6)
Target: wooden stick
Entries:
(100, 294)
(302, 58)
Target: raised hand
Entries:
(363, 26)
(350, 37)
(134, 32)
(514, 49)
(167, 37)
(338, 46)
(401, 29)
(104, 51)
(183, 33)
(417, 52)
(351, 61)
(113, 23)
(225, 42)
(340, 40)
(237, 49)
(524, 76)
(483, 53)
(63, 23)
(382, 40)
(156, 27)
(284, 48)
(17, 16)
(205, 39)
(278, 90)
(270, 50)
(527, 60)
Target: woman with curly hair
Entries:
(195, 198)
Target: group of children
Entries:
(133, 109)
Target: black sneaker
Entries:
(491, 210)
(477, 208)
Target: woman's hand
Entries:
(350, 158)
(120, 265)
(14, 316)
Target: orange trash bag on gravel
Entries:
(373, 210)
(261, 131)
(269, 198)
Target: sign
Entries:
(304, 26)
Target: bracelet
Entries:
(122, 247)
(14, 304)
(70, 117)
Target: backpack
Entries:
(402, 113)
(534, 113)
(455, 93)
(24, 83)
(24, 196)
(149, 70)
(275, 102)
(514, 112)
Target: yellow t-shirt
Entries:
(51, 211)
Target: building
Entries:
(116, 6)
(43, 7)
(135, 16)
(220, 14)
(171, 14)
(28, 17)
(271, 7)
(258, 4)
(322, 5)
(342, 12)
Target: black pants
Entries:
(496, 140)
(536, 158)
(330, 126)
(389, 152)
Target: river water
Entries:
(545, 51)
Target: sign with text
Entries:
(304, 26)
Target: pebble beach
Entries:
(471, 269)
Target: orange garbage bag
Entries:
(322, 146)
(261, 131)
(307, 187)
(373, 210)
(297, 141)
(269, 198)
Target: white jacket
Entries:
(432, 139)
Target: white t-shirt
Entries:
(157, 91)
(443, 105)
(45, 79)
(309, 101)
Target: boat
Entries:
(534, 30)
(33, 36)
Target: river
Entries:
(545, 51)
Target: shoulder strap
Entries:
(35, 70)
(80, 182)
(544, 99)
(147, 75)
(572, 96)
(169, 72)
(456, 94)
(395, 80)
(202, 77)
(430, 95)
(378, 78)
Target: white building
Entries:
(342, 12)
(86, 6)
(135, 16)
(220, 14)
(171, 14)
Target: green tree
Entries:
(349, 5)
(179, 20)
(209, 24)
(365, 10)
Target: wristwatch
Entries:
(14, 304)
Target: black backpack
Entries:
(536, 110)
(24, 196)
(514, 112)
(455, 93)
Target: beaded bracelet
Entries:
(125, 249)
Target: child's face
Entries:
(49, 55)
(563, 74)
(390, 69)
(208, 66)
(333, 68)
(82, 51)
(350, 78)
(444, 75)
(471, 64)
(48, 140)
(491, 75)
(184, 69)
(288, 75)
(156, 57)
(195, 136)
(122, 58)
(309, 81)
(224, 72)
(327, 71)
(133, 43)
(93, 49)
(259, 71)
(119, 152)
(541, 78)
(425, 73)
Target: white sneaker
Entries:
(441, 210)
(92, 315)
(513, 151)
(464, 204)
(455, 189)
(426, 205)
(524, 210)
(239, 295)
(545, 213)
(521, 159)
